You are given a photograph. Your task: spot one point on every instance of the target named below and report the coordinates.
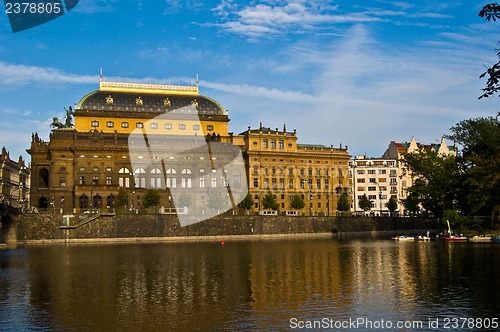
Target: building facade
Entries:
(82, 166)
(15, 177)
(277, 163)
(378, 179)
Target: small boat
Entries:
(452, 237)
(423, 238)
(480, 239)
(403, 238)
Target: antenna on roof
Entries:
(197, 80)
(100, 75)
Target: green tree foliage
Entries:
(490, 12)
(412, 204)
(297, 202)
(121, 197)
(392, 204)
(269, 202)
(247, 203)
(480, 160)
(437, 180)
(365, 203)
(151, 198)
(343, 204)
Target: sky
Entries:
(356, 73)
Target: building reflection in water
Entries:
(242, 285)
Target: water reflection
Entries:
(244, 285)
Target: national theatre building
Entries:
(171, 138)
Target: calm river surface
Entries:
(251, 285)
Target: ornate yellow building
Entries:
(83, 166)
(277, 163)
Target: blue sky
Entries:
(356, 73)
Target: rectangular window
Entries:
(327, 184)
(382, 171)
(281, 144)
(282, 184)
(371, 171)
(372, 188)
(361, 188)
(318, 172)
(81, 180)
(290, 171)
(168, 126)
(95, 180)
(196, 127)
(274, 183)
(370, 197)
(202, 182)
(139, 125)
(255, 182)
(95, 169)
(110, 124)
(182, 126)
(372, 180)
(290, 183)
(109, 181)
(108, 169)
(266, 183)
(210, 127)
(124, 124)
(153, 125)
(214, 182)
(82, 169)
(94, 123)
(360, 180)
(360, 172)
(273, 144)
(318, 184)
(264, 143)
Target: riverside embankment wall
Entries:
(46, 227)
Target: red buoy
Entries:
(222, 242)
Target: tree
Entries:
(412, 204)
(437, 183)
(151, 198)
(490, 12)
(480, 161)
(392, 205)
(269, 202)
(343, 204)
(297, 202)
(247, 203)
(365, 203)
(121, 197)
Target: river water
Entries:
(266, 285)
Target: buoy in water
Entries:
(222, 242)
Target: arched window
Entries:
(42, 203)
(171, 178)
(155, 178)
(140, 178)
(124, 177)
(83, 202)
(97, 201)
(186, 178)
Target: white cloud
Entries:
(12, 74)
(260, 92)
(267, 20)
